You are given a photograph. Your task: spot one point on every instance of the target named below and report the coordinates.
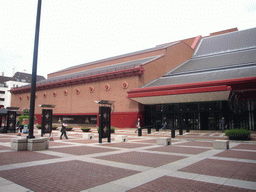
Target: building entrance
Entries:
(202, 116)
(188, 116)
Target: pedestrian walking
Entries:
(222, 122)
(63, 131)
(138, 125)
(164, 124)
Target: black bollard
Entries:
(173, 133)
(180, 131)
(149, 130)
(139, 132)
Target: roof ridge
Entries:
(222, 52)
(120, 56)
(105, 69)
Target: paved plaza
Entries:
(190, 163)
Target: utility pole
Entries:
(34, 70)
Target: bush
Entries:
(39, 126)
(112, 129)
(238, 134)
(85, 128)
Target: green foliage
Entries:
(20, 118)
(68, 127)
(238, 134)
(40, 126)
(24, 116)
(111, 128)
(85, 128)
(25, 112)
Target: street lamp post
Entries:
(34, 70)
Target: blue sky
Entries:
(74, 32)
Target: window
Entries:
(1, 99)
(2, 92)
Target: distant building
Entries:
(192, 82)
(7, 83)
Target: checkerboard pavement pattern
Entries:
(189, 164)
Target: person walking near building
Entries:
(164, 124)
(138, 125)
(222, 122)
(63, 131)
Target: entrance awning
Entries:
(212, 93)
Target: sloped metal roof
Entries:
(20, 76)
(214, 75)
(227, 56)
(221, 61)
(124, 55)
(237, 40)
(3, 112)
(101, 70)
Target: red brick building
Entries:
(147, 83)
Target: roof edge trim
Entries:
(182, 91)
(192, 85)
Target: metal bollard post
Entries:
(187, 130)
(139, 132)
(157, 128)
(149, 130)
(180, 131)
(173, 133)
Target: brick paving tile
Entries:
(168, 184)
(237, 154)
(84, 141)
(65, 176)
(197, 143)
(245, 146)
(193, 134)
(202, 137)
(142, 158)
(148, 141)
(126, 145)
(76, 135)
(133, 138)
(223, 168)
(81, 150)
(22, 156)
(179, 149)
(6, 136)
(5, 140)
(4, 148)
(52, 143)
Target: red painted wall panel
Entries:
(123, 120)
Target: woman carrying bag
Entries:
(63, 131)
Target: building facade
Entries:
(218, 81)
(19, 79)
(192, 82)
